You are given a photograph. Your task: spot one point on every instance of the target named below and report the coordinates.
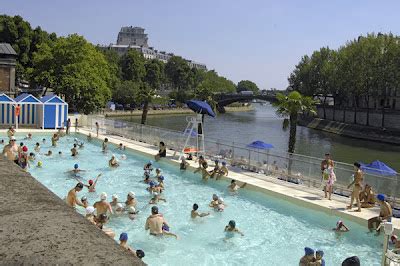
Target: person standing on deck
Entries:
(68, 126)
(76, 125)
(357, 182)
(97, 129)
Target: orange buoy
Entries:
(189, 150)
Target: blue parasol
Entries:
(200, 107)
(258, 144)
(378, 168)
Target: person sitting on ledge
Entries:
(155, 222)
(367, 197)
(72, 198)
(162, 152)
(384, 215)
(223, 171)
(204, 173)
(113, 162)
(215, 170)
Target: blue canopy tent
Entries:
(259, 145)
(378, 168)
(54, 112)
(7, 106)
(29, 110)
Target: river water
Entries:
(263, 124)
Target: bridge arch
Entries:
(226, 99)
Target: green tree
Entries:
(125, 92)
(145, 95)
(289, 107)
(179, 74)
(74, 68)
(132, 66)
(247, 85)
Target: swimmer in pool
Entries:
(100, 221)
(76, 169)
(92, 185)
(102, 206)
(340, 227)
(158, 172)
(104, 146)
(72, 199)
(160, 184)
(113, 162)
(148, 167)
(43, 141)
(204, 173)
(37, 147)
(395, 241)
(308, 258)
(231, 229)
(156, 198)
(49, 153)
(121, 147)
(184, 164)
(132, 213)
(153, 188)
(131, 200)
(119, 209)
(74, 150)
(147, 179)
(201, 161)
(54, 139)
(123, 239)
(223, 171)
(114, 201)
(31, 157)
(221, 205)
(194, 213)
(319, 261)
(90, 214)
(233, 187)
(81, 145)
(214, 201)
(89, 137)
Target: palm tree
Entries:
(290, 107)
(145, 95)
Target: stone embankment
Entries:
(38, 228)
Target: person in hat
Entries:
(201, 162)
(234, 187)
(72, 199)
(85, 202)
(308, 257)
(319, 261)
(76, 170)
(195, 213)
(156, 198)
(23, 158)
(90, 214)
(131, 200)
(113, 162)
(102, 206)
(385, 214)
(231, 229)
(123, 239)
(160, 184)
(104, 145)
(74, 150)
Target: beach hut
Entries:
(27, 110)
(54, 112)
(7, 110)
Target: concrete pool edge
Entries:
(37, 227)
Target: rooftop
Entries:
(6, 49)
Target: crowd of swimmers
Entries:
(100, 212)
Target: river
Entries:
(263, 124)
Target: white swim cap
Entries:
(113, 156)
(75, 139)
(158, 169)
(114, 196)
(132, 209)
(103, 196)
(131, 194)
(119, 206)
(155, 193)
(220, 199)
(123, 156)
(90, 210)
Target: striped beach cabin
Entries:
(7, 106)
(29, 110)
(54, 112)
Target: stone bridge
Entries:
(226, 99)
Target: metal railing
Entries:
(294, 168)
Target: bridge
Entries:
(226, 99)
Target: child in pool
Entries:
(231, 229)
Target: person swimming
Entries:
(214, 201)
(308, 258)
(194, 213)
(131, 200)
(221, 205)
(156, 198)
(230, 230)
(49, 153)
(132, 213)
(340, 227)
(113, 162)
(233, 187)
(147, 179)
(31, 157)
(76, 170)
(92, 185)
(37, 147)
(123, 239)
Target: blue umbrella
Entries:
(258, 144)
(200, 107)
(378, 167)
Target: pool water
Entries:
(275, 230)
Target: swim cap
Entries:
(12, 138)
(139, 253)
(220, 200)
(132, 210)
(76, 166)
(232, 223)
(215, 196)
(123, 237)
(24, 149)
(216, 161)
(223, 163)
(113, 156)
(75, 139)
(114, 196)
(131, 194)
(83, 198)
(351, 261)
(381, 197)
(90, 210)
(158, 169)
(319, 252)
(103, 196)
(79, 185)
(39, 164)
(90, 182)
(155, 193)
(308, 251)
(152, 184)
(119, 206)
(339, 223)
(161, 177)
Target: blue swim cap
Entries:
(161, 177)
(309, 251)
(152, 184)
(319, 252)
(381, 197)
(123, 237)
(76, 166)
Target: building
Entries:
(135, 38)
(8, 62)
(132, 36)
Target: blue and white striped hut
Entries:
(7, 106)
(55, 111)
(29, 112)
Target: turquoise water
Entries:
(275, 231)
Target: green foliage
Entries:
(247, 85)
(132, 65)
(74, 68)
(125, 92)
(179, 73)
(154, 73)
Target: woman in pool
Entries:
(37, 147)
(162, 152)
(113, 162)
(214, 201)
(231, 229)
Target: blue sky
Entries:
(257, 40)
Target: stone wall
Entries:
(38, 228)
(391, 118)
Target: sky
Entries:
(261, 41)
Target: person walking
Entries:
(357, 182)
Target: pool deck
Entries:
(38, 228)
(296, 194)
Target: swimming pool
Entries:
(275, 231)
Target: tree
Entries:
(289, 107)
(132, 66)
(144, 95)
(179, 73)
(125, 92)
(74, 68)
(247, 85)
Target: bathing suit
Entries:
(163, 153)
(165, 228)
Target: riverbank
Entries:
(38, 228)
(178, 111)
(353, 131)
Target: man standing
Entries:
(103, 206)
(72, 199)
(68, 126)
(155, 222)
(11, 150)
(357, 182)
